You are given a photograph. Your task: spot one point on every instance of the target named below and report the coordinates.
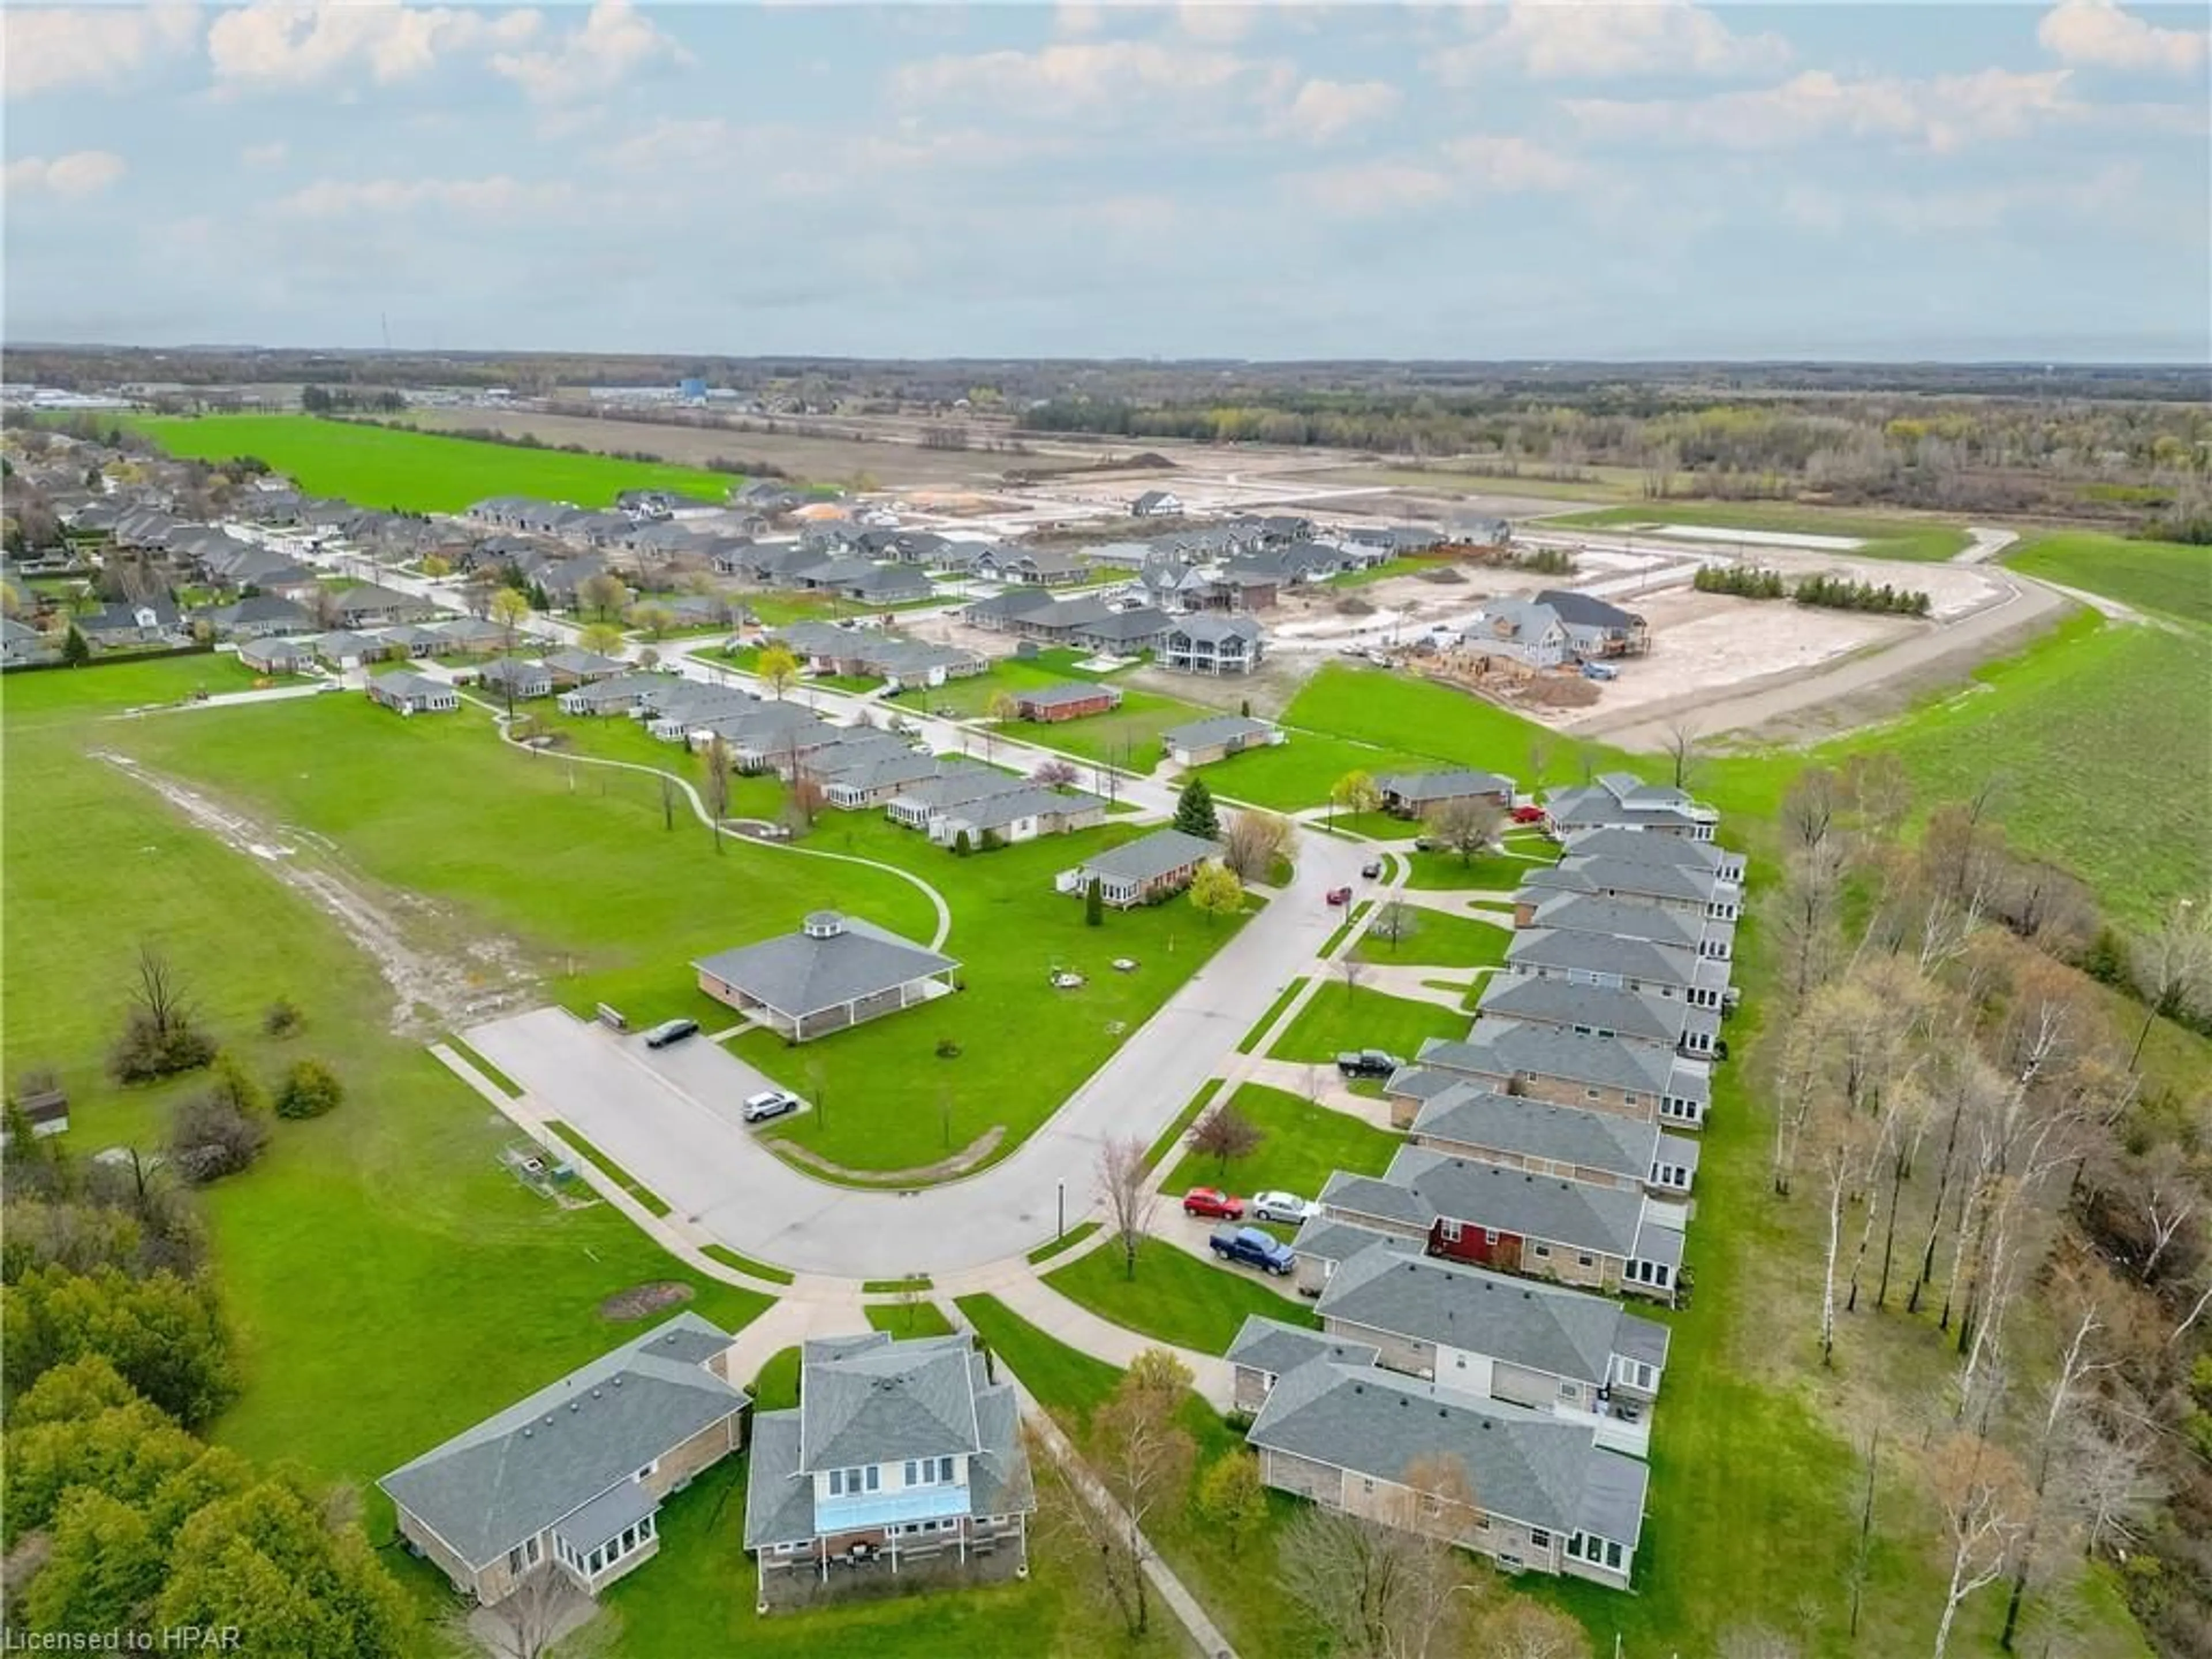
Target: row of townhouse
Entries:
(1465, 1294)
(873, 653)
(1191, 645)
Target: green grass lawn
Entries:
(416, 472)
(1380, 826)
(922, 1318)
(1337, 1019)
(893, 1102)
(1435, 939)
(391, 1214)
(1250, 1039)
(1240, 1592)
(609, 1168)
(1176, 1296)
(1076, 1235)
(1128, 737)
(1885, 536)
(745, 1264)
(2170, 577)
(1304, 1145)
(1498, 872)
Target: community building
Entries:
(837, 971)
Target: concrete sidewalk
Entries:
(1079, 1329)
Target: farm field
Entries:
(2168, 577)
(1883, 536)
(1338, 1017)
(1304, 1145)
(351, 1227)
(414, 472)
(573, 874)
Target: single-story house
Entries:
(1140, 872)
(574, 1474)
(1599, 1073)
(369, 605)
(408, 641)
(414, 694)
(1600, 1148)
(873, 780)
(1601, 1238)
(1020, 816)
(342, 649)
(472, 635)
(1156, 504)
(581, 667)
(956, 784)
(623, 694)
(519, 677)
(1213, 645)
(20, 644)
(1416, 794)
(901, 1458)
(1694, 892)
(273, 654)
(1028, 567)
(837, 971)
(1596, 629)
(1624, 801)
(1601, 1010)
(1069, 700)
(258, 616)
(1201, 743)
(1536, 1493)
(144, 622)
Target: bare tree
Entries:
(1986, 1507)
(1516, 1628)
(1253, 841)
(1809, 809)
(1223, 1133)
(1683, 751)
(1126, 1183)
(1143, 1456)
(1378, 1590)
(1803, 913)
(1880, 793)
(2173, 968)
(1396, 922)
(1466, 826)
(2078, 1358)
(1352, 970)
(717, 783)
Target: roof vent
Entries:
(618, 1382)
(595, 1394)
(526, 1431)
(575, 1404)
(824, 924)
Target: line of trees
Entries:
(1751, 582)
(1745, 581)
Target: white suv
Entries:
(770, 1103)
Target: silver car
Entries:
(770, 1103)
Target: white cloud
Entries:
(1945, 113)
(1072, 76)
(81, 173)
(1324, 110)
(1558, 39)
(1218, 21)
(1074, 18)
(496, 197)
(2111, 194)
(2098, 34)
(615, 42)
(50, 47)
(1489, 162)
(269, 154)
(284, 44)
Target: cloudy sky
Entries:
(1511, 179)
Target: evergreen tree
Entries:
(74, 652)
(1194, 814)
(1094, 905)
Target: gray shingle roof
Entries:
(1586, 611)
(1219, 728)
(521, 1470)
(1524, 1466)
(1602, 953)
(1578, 913)
(805, 972)
(1322, 1238)
(996, 811)
(1218, 631)
(1543, 1328)
(1476, 1116)
(1447, 785)
(958, 781)
(1606, 1219)
(873, 1402)
(1637, 1016)
(1686, 882)
(1270, 1345)
(1150, 857)
(605, 1515)
(1636, 846)
(1067, 692)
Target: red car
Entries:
(1340, 895)
(1212, 1201)
(1527, 815)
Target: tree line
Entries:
(1747, 581)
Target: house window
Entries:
(652, 1468)
(1539, 1538)
(1449, 1231)
(1612, 1555)
(1367, 1483)
(1628, 1099)
(1593, 1094)
(1585, 1259)
(1570, 1390)
(532, 1553)
(1490, 1235)
(1544, 1252)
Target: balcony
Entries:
(889, 1508)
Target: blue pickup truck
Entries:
(1254, 1249)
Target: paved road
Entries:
(669, 1117)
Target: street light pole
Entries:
(1059, 1232)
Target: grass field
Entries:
(1337, 1019)
(2168, 577)
(1304, 1145)
(416, 471)
(1176, 1296)
(392, 1215)
(922, 1318)
(1497, 873)
(1883, 536)
(1435, 939)
(576, 866)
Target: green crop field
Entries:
(1303, 1146)
(392, 1214)
(416, 472)
(2171, 577)
(1883, 536)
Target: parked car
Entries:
(671, 1031)
(1372, 869)
(1427, 844)
(1340, 895)
(1368, 1062)
(1283, 1206)
(1212, 1201)
(1254, 1249)
(1527, 815)
(770, 1103)
(1599, 670)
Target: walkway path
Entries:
(1017, 1285)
